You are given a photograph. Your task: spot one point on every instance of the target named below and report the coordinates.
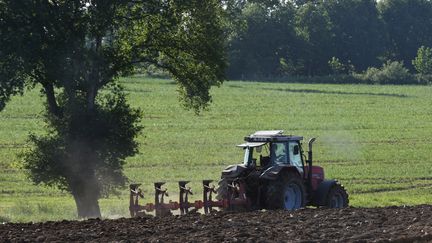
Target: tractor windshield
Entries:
(279, 153)
(247, 159)
(255, 152)
(286, 153)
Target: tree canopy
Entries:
(75, 50)
(60, 41)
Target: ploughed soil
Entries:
(398, 224)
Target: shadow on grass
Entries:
(316, 91)
(235, 86)
(137, 90)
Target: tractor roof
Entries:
(271, 136)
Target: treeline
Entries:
(365, 39)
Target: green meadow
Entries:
(375, 139)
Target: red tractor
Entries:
(275, 174)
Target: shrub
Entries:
(424, 79)
(338, 67)
(325, 79)
(390, 73)
(423, 61)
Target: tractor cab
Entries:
(264, 149)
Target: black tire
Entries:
(287, 192)
(222, 190)
(337, 197)
(225, 192)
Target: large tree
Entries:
(357, 31)
(314, 28)
(75, 50)
(408, 25)
(264, 33)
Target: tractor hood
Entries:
(233, 171)
(273, 172)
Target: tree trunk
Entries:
(51, 99)
(86, 195)
(87, 206)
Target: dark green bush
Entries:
(424, 79)
(392, 72)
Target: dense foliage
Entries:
(389, 73)
(272, 39)
(423, 61)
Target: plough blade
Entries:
(162, 209)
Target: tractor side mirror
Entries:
(296, 150)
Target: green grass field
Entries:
(374, 139)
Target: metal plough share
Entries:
(161, 208)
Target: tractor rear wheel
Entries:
(337, 197)
(222, 189)
(287, 192)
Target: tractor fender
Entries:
(233, 171)
(322, 192)
(273, 172)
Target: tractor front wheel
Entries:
(337, 197)
(288, 192)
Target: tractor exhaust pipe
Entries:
(310, 158)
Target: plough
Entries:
(236, 197)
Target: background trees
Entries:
(278, 38)
(408, 26)
(357, 32)
(264, 33)
(314, 30)
(74, 51)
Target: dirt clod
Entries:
(397, 224)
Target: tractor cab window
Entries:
(286, 153)
(247, 159)
(294, 154)
(257, 155)
(278, 153)
(262, 156)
